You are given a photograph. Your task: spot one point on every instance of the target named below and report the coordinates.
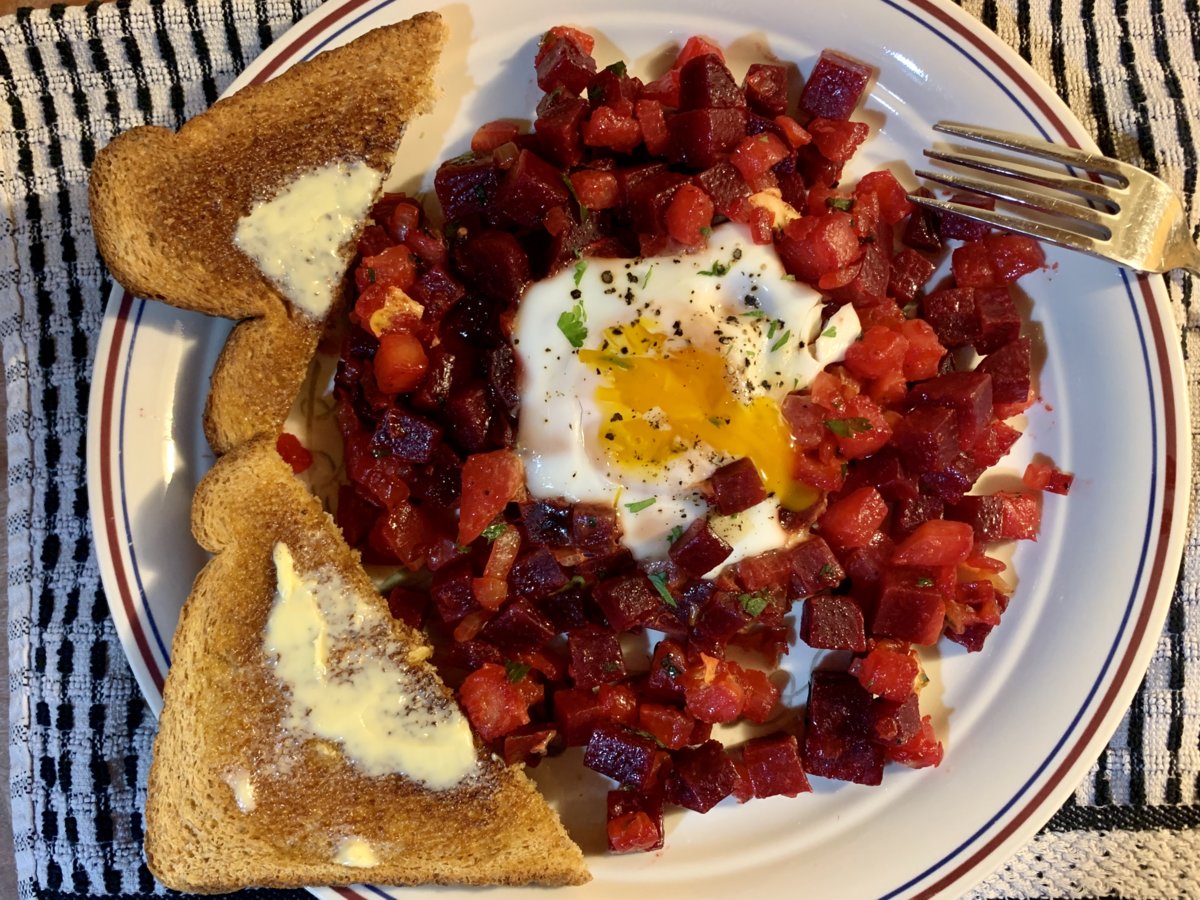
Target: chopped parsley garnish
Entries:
(783, 339)
(613, 360)
(827, 572)
(494, 530)
(639, 505)
(787, 277)
(646, 280)
(371, 274)
(715, 421)
(572, 327)
(845, 204)
(754, 603)
(675, 534)
(583, 213)
(659, 580)
(617, 68)
(830, 332)
(706, 231)
(580, 268)
(754, 313)
(718, 269)
(515, 670)
(772, 328)
(845, 428)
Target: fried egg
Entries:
(639, 378)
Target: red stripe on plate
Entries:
(108, 496)
(309, 33)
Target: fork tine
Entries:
(1019, 195)
(1045, 178)
(1061, 236)
(1035, 147)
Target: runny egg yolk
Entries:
(659, 403)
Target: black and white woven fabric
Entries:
(80, 734)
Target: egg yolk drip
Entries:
(659, 404)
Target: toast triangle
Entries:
(165, 205)
(238, 798)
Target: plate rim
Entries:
(1152, 602)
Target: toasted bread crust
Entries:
(223, 709)
(165, 205)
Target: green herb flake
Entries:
(754, 603)
(827, 572)
(787, 277)
(613, 360)
(646, 280)
(706, 231)
(715, 421)
(718, 269)
(371, 274)
(783, 339)
(641, 504)
(494, 530)
(668, 666)
(515, 670)
(845, 428)
(754, 314)
(571, 324)
(659, 580)
(580, 268)
(830, 332)
(924, 582)
(772, 328)
(844, 204)
(617, 68)
(674, 534)
(583, 213)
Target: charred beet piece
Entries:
(814, 568)
(926, 438)
(969, 394)
(635, 821)
(547, 522)
(596, 657)
(405, 437)
(702, 777)
(765, 86)
(627, 601)
(701, 138)
(531, 189)
(838, 739)
(773, 765)
(595, 528)
(699, 550)
(1010, 370)
(999, 321)
(895, 723)
(705, 83)
(911, 608)
(466, 186)
(737, 486)
(622, 754)
(537, 574)
(832, 622)
(835, 86)
(518, 627)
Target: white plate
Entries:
(1022, 720)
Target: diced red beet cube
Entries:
(559, 127)
(720, 619)
(921, 227)
(627, 601)
(995, 443)
(530, 189)
(613, 88)
(705, 83)
(635, 821)
(595, 528)
(1013, 255)
(664, 681)
(451, 591)
(832, 622)
(814, 567)
(1009, 367)
(470, 413)
(953, 480)
(835, 86)
(909, 273)
(884, 472)
(983, 605)
(971, 266)
(576, 713)
(405, 437)
(562, 63)
(819, 244)
(699, 549)
(911, 608)
(567, 609)
(727, 188)
(596, 656)
(466, 186)
(836, 140)
(982, 513)
(926, 438)
(921, 750)
(969, 394)
(701, 138)
(894, 722)
(953, 314)
(518, 626)
(908, 514)
(547, 523)
(407, 605)
(648, 199)
(1019, 516)
(963, 229)
(870, 282)
(999, 321)
(889, 670)
(496, 261)
(528, 744)
(537, 574)
(701, 777)
(772, 569)
(838, 739)
(765, 86)
(773, 765)
(737, 486)
(622, 754)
